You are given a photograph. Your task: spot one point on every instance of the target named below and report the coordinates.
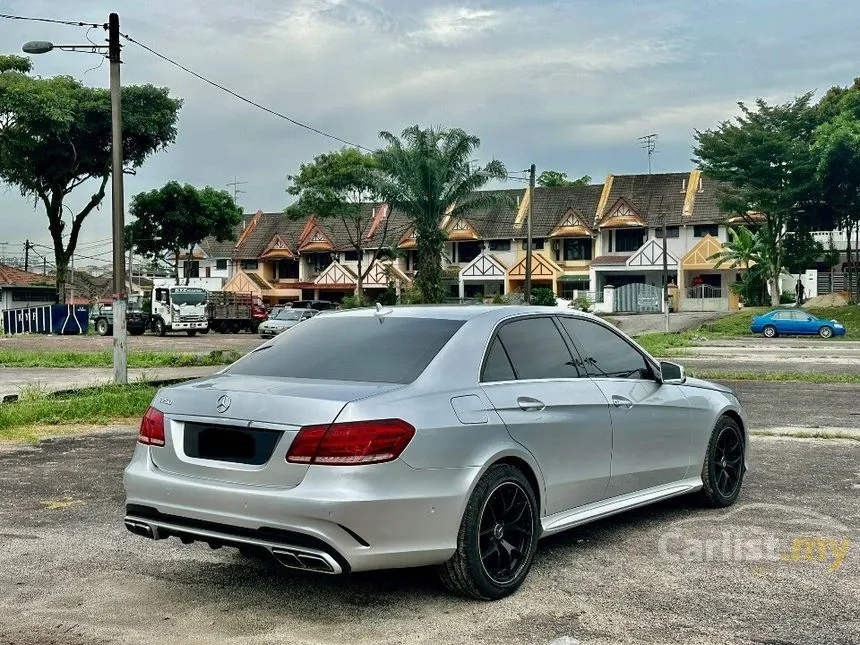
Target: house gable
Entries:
(242, 282)
(379, 274)
(572, 224)
(277, 248)
(483, 266)
(542, 267)
(461, 230)
(651, 255)
(336, 274)
(697, 257)
(409, 239)
(315, 241)
(621, 215)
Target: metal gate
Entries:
(637, 298)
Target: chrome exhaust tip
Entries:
(292, 559)
(140, 528)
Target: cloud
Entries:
(450, 25)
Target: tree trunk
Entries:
(62, 275)
(429, 277)
(176, 265)
(190, 263)
(359, 284)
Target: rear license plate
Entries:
(239, 445)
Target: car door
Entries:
(550, 405)
(804, 323)
(783, 322)
(651, 421)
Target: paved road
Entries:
(12, 379)
(638, 324)
(72, 574)
(172, 343)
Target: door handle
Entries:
(621, 402)
(529, 404)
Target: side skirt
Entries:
(597, 510)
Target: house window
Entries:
(208, 272)
(577, 248)
(684, 185)
(500, 245)
(701, 230)
(221, 265)
(33, 295)
(319, 261)
(628, 240)
(249, 264)
(191, 269)
(466, 251)
(287, 270)
(671, 231)
(350, 256)
(537, 244)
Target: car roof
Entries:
(457, 312)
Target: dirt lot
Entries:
(72, 574)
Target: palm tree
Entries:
(745, 249)
(427, 175)
(742, 250)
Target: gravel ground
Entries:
(72, 574)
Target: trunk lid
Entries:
(238, 429)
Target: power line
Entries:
(244, 98)
(73, 23)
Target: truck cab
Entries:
(179, 308)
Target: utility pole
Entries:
(527, 291)
(235, 186)
(120, 349)
(72, 285)
(665, 274)
(130, 270)
(649, 143)
(27, 255)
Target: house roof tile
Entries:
(11, 276)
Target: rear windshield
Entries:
(351, 348)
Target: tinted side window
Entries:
(537, 349)
(607, 353)
(497, 366)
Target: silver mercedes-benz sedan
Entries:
(411, 436)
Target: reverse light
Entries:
(351, 444)
(152, 428)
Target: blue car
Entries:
(794, 322)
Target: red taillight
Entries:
(152, 428)
(350, 444)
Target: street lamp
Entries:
(120, 353)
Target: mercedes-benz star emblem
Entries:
(223, 404)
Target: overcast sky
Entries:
(564, 84)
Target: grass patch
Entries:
(94, 406)
(18, 358)
(666, 344)
(738, 324)
(797, 377)
(811, 433)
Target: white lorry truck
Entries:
(178, 308)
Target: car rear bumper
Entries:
(348, 518)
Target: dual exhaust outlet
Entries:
(288, 556)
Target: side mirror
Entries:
(672, 373)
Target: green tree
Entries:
(426, 174)
(55, 135)
(837, 151)
(764, 156)
(334, 186)
(177, 218)
(556, 178)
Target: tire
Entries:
(204, 331)
(102, 327)
(769, 331)
(825, 332)
(136, 332)
(466, 572)
(159, 327)
(191, 332)
(724, 466)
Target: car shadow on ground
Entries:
(259, 580)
